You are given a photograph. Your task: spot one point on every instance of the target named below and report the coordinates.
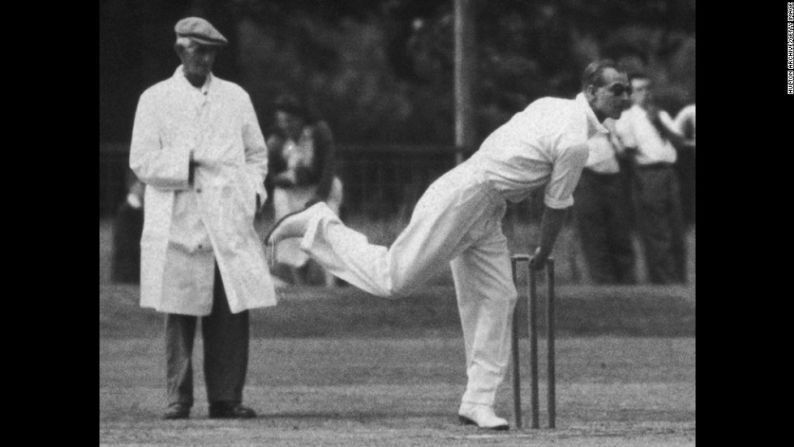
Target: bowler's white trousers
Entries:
(456, 221)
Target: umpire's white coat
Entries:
(188, 227)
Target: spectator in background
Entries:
(197, 146)
(302, 165)
(685, 125)
(602, 216)
(647, 134)
(127, 229)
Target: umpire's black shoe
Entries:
(225, 410)
(177, 411)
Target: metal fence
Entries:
(383, 181)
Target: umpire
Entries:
(197, 145)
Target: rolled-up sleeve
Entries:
(565, 175)
(163, 167)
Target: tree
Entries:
(382, 70)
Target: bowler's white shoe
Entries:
(482, 416)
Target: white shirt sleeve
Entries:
(668, 122)
(683, 118)
(565, 175)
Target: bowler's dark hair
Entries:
(594, 72)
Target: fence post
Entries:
(464, 75)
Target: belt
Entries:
(655, 166)
(589, 171)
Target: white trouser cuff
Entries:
(312, 227)
(478, 398)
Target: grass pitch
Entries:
(369, 383)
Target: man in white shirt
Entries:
(646, 133)
(602, 215)
(197, 146)
(457, 222)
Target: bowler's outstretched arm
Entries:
(550, 225)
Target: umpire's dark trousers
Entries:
(225, 338)
(660, 222)
(604, 226)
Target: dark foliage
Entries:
(381, 71)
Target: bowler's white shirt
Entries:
(636, 130)
(602, 155)
(545, 144)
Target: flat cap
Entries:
(199, 30)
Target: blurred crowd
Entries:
(631, 182)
